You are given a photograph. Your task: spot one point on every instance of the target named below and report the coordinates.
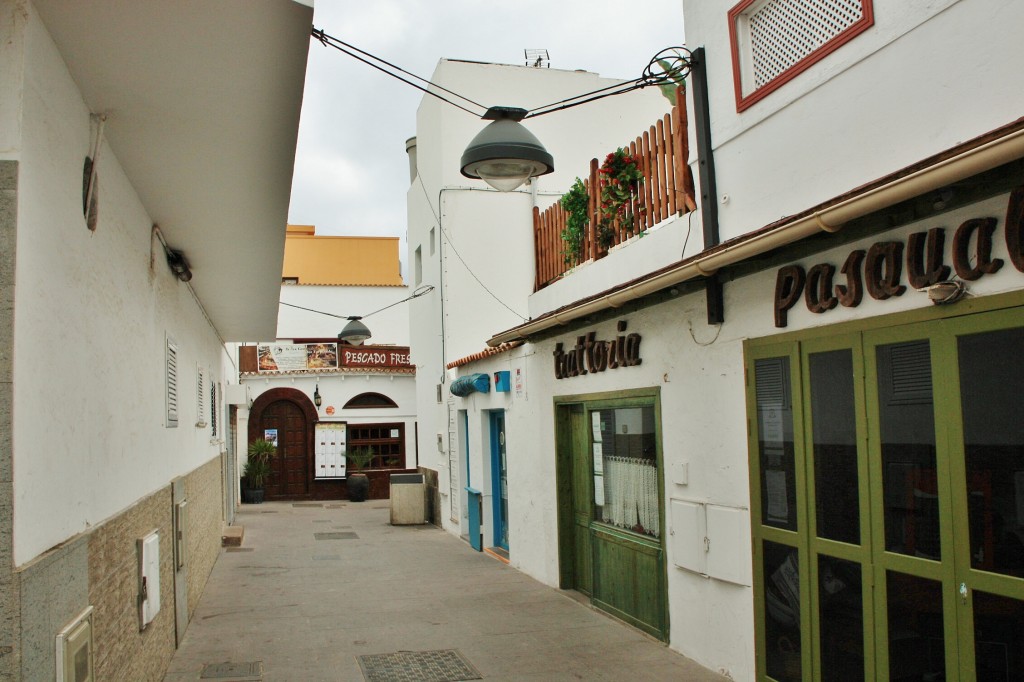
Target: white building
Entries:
(826, 483)
(366, 393)
(475, 245)
(127, 131)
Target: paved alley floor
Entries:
(334, 592)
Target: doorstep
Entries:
(232, 536)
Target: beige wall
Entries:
(340, 260)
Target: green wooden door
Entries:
(887, 486)
(611, 506)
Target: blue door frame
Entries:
(499, 479)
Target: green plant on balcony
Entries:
(576, 203)
(622, 180)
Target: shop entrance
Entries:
(611, 544)
(499, 480)
(887, 495)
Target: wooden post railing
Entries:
(667, 189)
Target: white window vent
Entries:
(75, 660)
(200, 398)
(773, 40)
(171, 378)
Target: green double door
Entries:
(887, 486)
(611, 544)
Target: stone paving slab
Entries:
(394, 589)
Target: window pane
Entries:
(775, 442)
(841, 615)
(835, 446)
(991, 378)
(998, 637)
(626, 469)
(782, 611)
(907, 426)
(916, 642)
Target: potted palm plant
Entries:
(358, 459)
(257, 470)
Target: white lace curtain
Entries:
(631, 494)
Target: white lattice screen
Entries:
(784, 32)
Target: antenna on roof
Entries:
(538, 59)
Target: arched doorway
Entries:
(290, 414)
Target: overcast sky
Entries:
(351, 170)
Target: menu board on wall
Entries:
(285, 357)
(330, 449)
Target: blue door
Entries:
(499, 479)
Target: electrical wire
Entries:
(350, 50)
(419, 291)
(674, 64)
(444, 233)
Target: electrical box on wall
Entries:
(149, 578)
(502, 381)
(74, 650)
(711, 540)
(236, 394)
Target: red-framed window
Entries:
(772, 41)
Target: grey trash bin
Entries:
(408, 500)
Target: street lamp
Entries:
(355, 332)
(505, 154)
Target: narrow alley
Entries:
(333, 592)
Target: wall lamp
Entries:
(176, 260)
(505, 154)
(317, 400)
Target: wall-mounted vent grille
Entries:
(773, 40)
(171, 368)
(783, 32)
(772, 387)
(910, 373)
(214, 406)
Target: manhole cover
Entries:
(327, 557)
(308, 504)
(220, 671)
(238, 549)
(446, 665)
(336, 536)
(336, 506)
(321, 520)
(269, 511)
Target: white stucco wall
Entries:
(91, 318)
(699, 370)
(927, 75)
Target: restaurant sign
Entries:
(286, 357)
(591, 354)
(878, 270)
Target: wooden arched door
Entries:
(288, 477)
(290, 414)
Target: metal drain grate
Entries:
(238, 549)
(235, 671)
(311, 505)
(326, 557)
(445, 665)
(336, 536)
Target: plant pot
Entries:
(358, 487)
(252, 495)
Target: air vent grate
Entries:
(784, 32)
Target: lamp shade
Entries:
(505, 154)
(355, 332)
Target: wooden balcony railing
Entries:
(666, 190)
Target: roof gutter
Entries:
(829, 219)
